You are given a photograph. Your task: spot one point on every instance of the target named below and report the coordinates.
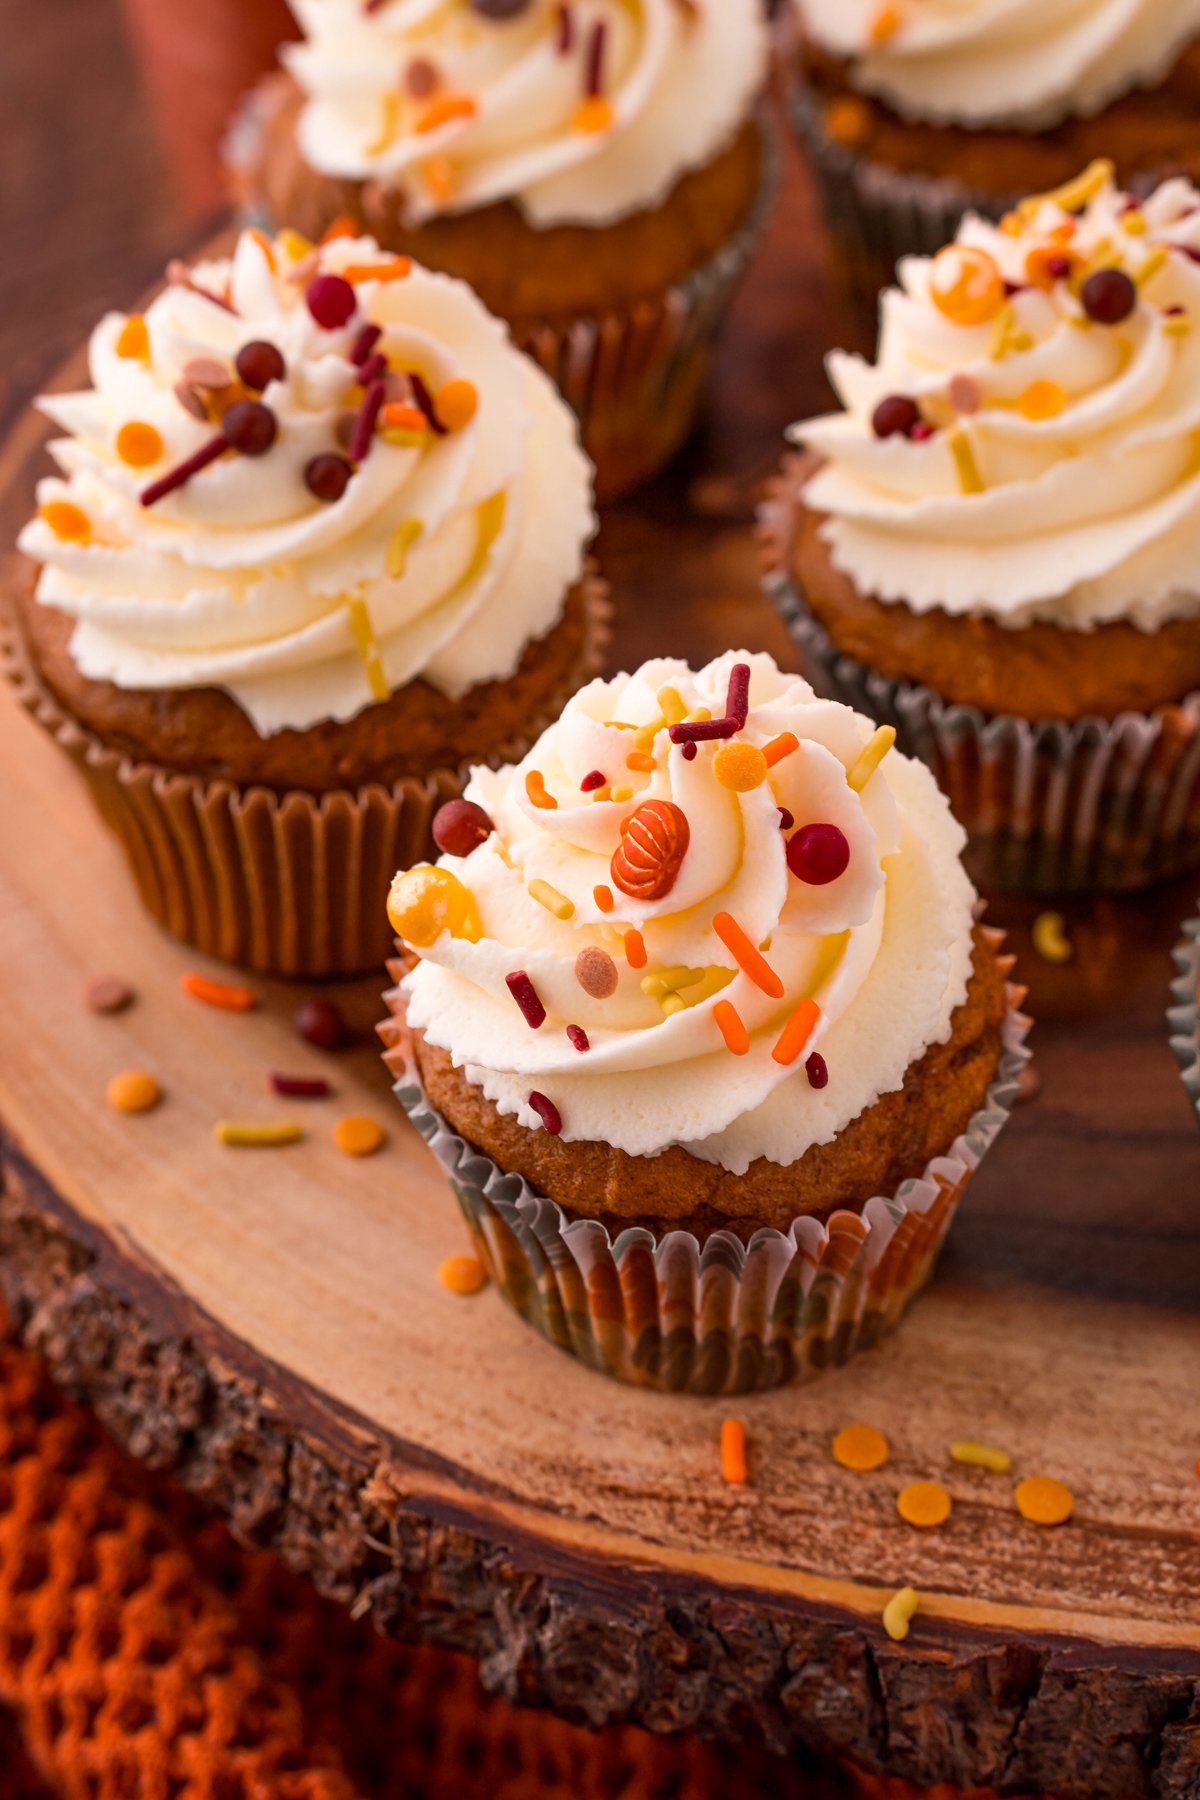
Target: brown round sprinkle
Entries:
(191, 397)
(107, 994)
(133, 1091)
(596, 972)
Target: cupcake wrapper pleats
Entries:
(1183, 1015)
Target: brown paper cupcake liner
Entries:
(1183, 1015)
(286, 884)
(1050, 806)
(718, 1316)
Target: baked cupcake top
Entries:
(1015, 63)
(307, 477)
(580, 111)
(707, 909)
(1027, 443)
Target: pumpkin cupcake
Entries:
(915, 112)
(316, 545)
(702, 1025)
(594, 170)
(992, 545)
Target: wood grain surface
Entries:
(270, 1324)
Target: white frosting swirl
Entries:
(501, 111)
(1082, 437)
(242, 578)
(884, 949)
(1007, 63)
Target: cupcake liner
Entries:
(286, 884)
(1183, 1015)
(1050, 806)
(718, 1316)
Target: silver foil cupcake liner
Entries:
(718, 1316)
(1183, 1015)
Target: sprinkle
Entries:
(965, 285)
(635, 949)
(964, 393)
(885, 24)
(969, 478)
(364, 343)
(641, 761)
(733, 1452)
(596, 972)
(344, 226)
(564, 29)
(526, 997)
(256, 1137)
(711, 982)
(133, 1091)
(547, 1112)
(455, 404)
(593, 780)
(796, 1033)
(689, 753)
(133, 340)
(870, 757)
(294, 244)
(578, 1038)
(644, 736)
(779, 747)
(1133, 220)
(182, 472)
(699, 731)
(979, 1456)
(749, 960)
(740, 767)
(107, 994)
(425, 901)
(1043, 1500)
(593, 115)
(594, 67)
(551, 899)
(1178, 326)
(389, 125)
(463, 1275)
(66, 520)
(899, 1612)
(535, 789)
(786, 819)
(737, 701)
(399, 545)
(602, 793)
(671, 701)
(444, 111)
(299, 1087)
(367, 645)
(603, 897)
(1050, 938)
(817, 1070)
(1041, 400)
(669, 981)
(394, 270)
(621, 794)
(923, 1503)
(320, 1023)
(374, 368)
(1007, 337)
(179, 275)
(224, 996)
(1074, 195)
(358, 1136)
(861, 1448)
(1151, 267)
(364, 424)
(848, 120)
(139, 444)
(729, 1024)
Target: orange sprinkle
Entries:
(1043, 1500)
(729, 1024)
(133, 340)
(779, 747)
(635, 950)
(749, 960)
(133, 1091)
(603, 898)
(535, 787)
(395, 270)
(796, 1032)
(861, 1448)
(462, 1274)
(1041, 400)
(398, 415)
(218, 993)
(733, 1452)
(640, 759)
(885, 24)
(343, 226)
(265, 245)
(358, 1136)
(595, 114)
(444, 110)
(923, 1503)
(455, 404)
(439, 178)
(739, 767)
(848, 120)
(139, 444)
(66, 520)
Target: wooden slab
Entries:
(270, 1324)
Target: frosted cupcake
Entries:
(702, 1026)
(915, 111)
(993, 544)
(1184, 1013)
(316, 545)
(593, 169)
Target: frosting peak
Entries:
(694, 889)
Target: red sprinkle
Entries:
(364, 343)
(786, 821)
(300, 1087)
(921, 431)
(191, 465)
(703, 730)
(424, 400)
(565, 35)
(737, 705)
(526, 997)
(689, 753)
(578, 1037)
(547, 1112)
(364, 424)
(179, 275)
(817, 1072)
(372, 368)
(591, 782)
(594, 77)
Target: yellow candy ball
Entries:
(426, 901)
(740, 767)
(965, 285)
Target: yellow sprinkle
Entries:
(643, 738)
(700, 716)
(133, 1091)
(1150, 268)
(980, 1456)
(899, 1612)
(294, 244)
(551, 899)
(673, 709)
(133, 341)
(1073, 195)
(403, 437)
(870, 757)
(368, 648)
(969, 478)
(228, 1131)
(622, 793)
(1179, 326)
(711, 982)
(389, 125)
(669, 981)
(1133, 224)
(1050, 938)
(1041, 400)
(402, 541)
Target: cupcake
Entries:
(992, 545)
(316, 546)
(1184, 1012)
(702, 1025)
(594, 170)
(913, 113)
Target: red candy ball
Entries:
(895, 416)
(1108, 296)
(320, 1022)
(460, 827)
(818, 854)
(331, 301)
(260, 363)
(327, 476)
(250, 427)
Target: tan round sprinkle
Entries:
(898, 1613)
(462, 1274)
(206, 372)
(861, 1448)
(596, 973)
(1043, 1500)
(357, 1136)
(964, 393)
(133, 1091)
(107, 994)
(923, 1503)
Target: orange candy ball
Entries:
(66, 521)
(456, 404)
(139, 444)
(965, 285)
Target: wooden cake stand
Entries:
(269, 1324)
